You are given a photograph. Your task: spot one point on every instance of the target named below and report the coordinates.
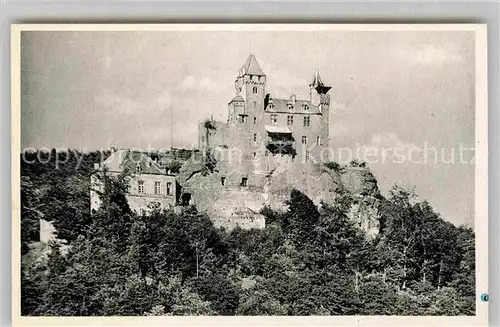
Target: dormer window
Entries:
(271, 105)
(289, 106)
(138, 168)
(305, 107)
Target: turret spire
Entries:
(251, 67)
(317, 79)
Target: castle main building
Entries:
(259, 121)
(261, 126)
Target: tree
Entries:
(256, 300)
(301, 218)
(30, 214)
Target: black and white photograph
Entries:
(251, 170)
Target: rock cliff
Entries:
(236, 205)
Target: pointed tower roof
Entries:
(318, 84)
(251, 67)
(317, 79)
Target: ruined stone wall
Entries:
(271, 187)
(213, 137)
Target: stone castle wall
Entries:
(232, 204)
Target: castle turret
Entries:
(251, 85)
(318, 91)
(319, 97)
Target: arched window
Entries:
(255, 90)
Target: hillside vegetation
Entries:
(308, 260)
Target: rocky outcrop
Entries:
(359, 180)
(365, 213)
(237, 205)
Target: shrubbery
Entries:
(307, 261)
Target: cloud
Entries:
(429, 55)
(191, 82)
(282, 82)
(338, 129)
(390, 140)
(388, 147)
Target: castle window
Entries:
(255, 154)
(254, 120)
(305, 107)
(223, 181)
(140, 187)
(304, 139)
(255, 138)
(289, 120)
(244, 181)
(157, 188)
(318, 140)
(169, 188)
(274, 119)
(255, 90)
(307, 121)
(307, 156)
(255, 104)
(241, 119)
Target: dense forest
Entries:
(308, 260)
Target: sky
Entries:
(411, 91)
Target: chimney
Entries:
(293, 98)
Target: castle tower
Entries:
(251, 85)
(318, 91)
(319, 97)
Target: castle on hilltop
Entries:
(266, 147)
(260, 127)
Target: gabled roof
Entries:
(251, 67)
(130, 160)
